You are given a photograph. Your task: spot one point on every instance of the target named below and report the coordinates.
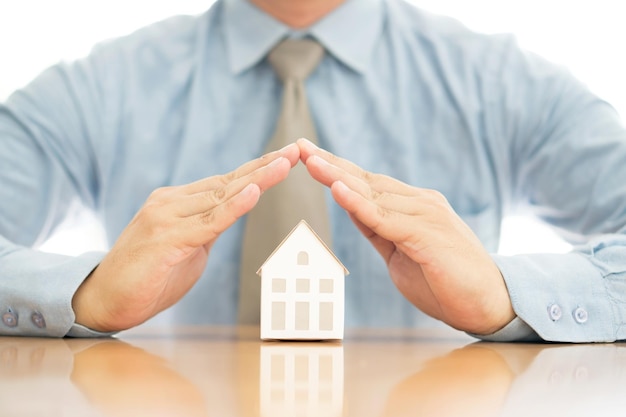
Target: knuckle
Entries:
(376, 195)
(382, 212)
(208, 218)
(367, 176)
(215, 196)
(150, 212)
(436, 197)
(266, 156)
(228, 177)
(264, 159)
(219, 194)
(151, 220)
(160, 193)
(439, 202)
(331, 158)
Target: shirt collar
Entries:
(349, 32)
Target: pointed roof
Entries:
(345, 270)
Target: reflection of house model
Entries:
(302, 289)
(301, 379)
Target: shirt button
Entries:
(9, 319)
(580, 315)
(38, 320)
(555, 312)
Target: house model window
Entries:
(302, 289)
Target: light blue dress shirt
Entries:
(399, 92)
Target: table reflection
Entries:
(471, 381)
(122, 380)
(34, 378)
(571, 380)
(202, 372)
(492, 379)
(91, 377)
(301, 379)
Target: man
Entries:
(465, 127)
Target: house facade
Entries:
(302, 289)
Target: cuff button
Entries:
(9, 319)
(38, 320)
(580, 315)
(554, 311)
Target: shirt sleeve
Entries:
(574, 297)
(47, 163)
(567, 166)
(37, 291)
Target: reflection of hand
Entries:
(433, 257)
(472, 381)
(164, 249)
(123, 380)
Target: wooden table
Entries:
(208, 371)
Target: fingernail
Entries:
(318, 159)
(340, 184)
(291, 145)
(309, 143)
(250, 189)
(276, 161)
(340, 187)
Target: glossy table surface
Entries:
(208, 371)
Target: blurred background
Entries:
(584, 35)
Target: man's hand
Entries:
(163, 251)
(433, 257)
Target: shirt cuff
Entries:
(78, 330)
(38, 287)
(516, 331)
(562, 297)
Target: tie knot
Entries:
(295, 58)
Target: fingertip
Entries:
(340, 191)
(287, 148)
(344, 196)
(305, 142)
(307, 148)
(291, 152)
(251, 192)
(273, 173)
(339, 186)
(243, 202)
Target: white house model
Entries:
(302, 289)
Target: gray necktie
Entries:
(299, 196)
